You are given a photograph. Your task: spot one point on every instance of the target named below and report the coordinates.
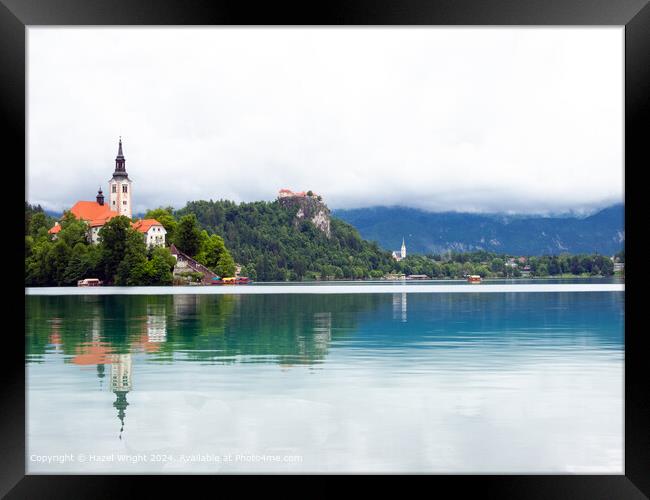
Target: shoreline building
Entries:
(97, 213)
(401, 253)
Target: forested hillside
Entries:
(274, 245)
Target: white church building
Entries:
(97, 213)
(400, 254)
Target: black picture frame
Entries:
(16, 15)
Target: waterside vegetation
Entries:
(269, 241)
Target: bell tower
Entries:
(119, 186)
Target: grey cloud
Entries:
(484, 119)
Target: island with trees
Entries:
(265, 241)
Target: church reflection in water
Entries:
(101, 353)
(121, 384)
(114, 334)
(400, 307)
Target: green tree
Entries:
(36, 265)
(73, 230)
(57, 262)
(77, 267)
(226, 265)
(113, 236)
(498, 265)
(134, 268)
(188, 235)
(162, 264)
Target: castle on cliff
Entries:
(310, 207)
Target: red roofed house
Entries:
(153, 231)
(96, 213)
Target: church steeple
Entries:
(120, 404)
(120, 162)
(403, 250)
(119, 186)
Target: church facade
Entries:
(401, 253)
(97, 213)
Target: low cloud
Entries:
(490, 119)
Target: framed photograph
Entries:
(378, 241)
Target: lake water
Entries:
(347, 382)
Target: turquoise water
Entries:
(436, 383)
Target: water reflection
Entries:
(385, 356)
(400, 306)
(295, 329)
(121, 384)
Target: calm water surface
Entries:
(488, 383)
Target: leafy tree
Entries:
(113, 236)
(77, 267)
(162, 263)
(134, 268)
(226, 265)
(37, 265)
(73, 230)
(57, 262)
(36, 219)
(498, 265)
(188, 235)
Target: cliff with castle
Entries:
(310, 206)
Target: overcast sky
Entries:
(487, 119)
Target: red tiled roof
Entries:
(145, 224)
(92, 211)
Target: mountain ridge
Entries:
(520, 234)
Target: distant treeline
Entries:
(493, 265)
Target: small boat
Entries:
(89, 282)
(239, 280)
(473, 278)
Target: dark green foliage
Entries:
(188, 235)
(266, 239)
(36, 219)
(492, 265)
(113, 237)
(133, 267)
(273, 246)
(215, 256)
(84, 262)
(120, 258)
